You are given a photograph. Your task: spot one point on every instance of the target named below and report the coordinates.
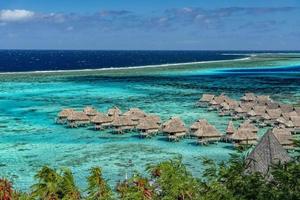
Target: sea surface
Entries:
(49, 60)
(29, 103)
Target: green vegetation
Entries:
(169, 180)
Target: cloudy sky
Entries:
(155, 24)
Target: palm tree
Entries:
(48, 186)
(173, 181)
(70, 190)
(98, 189)
(6, 190)
(136, 187)
(22, 196)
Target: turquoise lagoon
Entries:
(29, 138)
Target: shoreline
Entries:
(126, 68)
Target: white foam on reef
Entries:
(126, 68)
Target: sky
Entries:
(150, 24)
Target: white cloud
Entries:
(15, 15)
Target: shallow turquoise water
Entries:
(30, 139)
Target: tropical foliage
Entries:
(169, 180)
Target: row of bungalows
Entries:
(245, 134)
(261, 109)
(114, 118)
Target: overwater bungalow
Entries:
(244, 136)
(206, 98)
(197, 125)
(225, 108)
(251, 115)
(286, 108)
(266, 119)
(63, 115)
(148, 126)
(259, 110)
(265, 154)
(102, 121)
(284, 136)
(135, 114)
(175, 128)
(272, 105)
(205, 132)
(238, 113)
(213, 105)
(287, 116)
(77, 119)
(232, 104)
(247, 106)
(274, 113)
(263, 99)
(90, 111)
(221, 99)
(248, 97)
(122, 124)
(115, 111)
(285, 120)
(248, 125)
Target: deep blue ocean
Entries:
(48, 60)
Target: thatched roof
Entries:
(244, 134)
(213, 102)
(251, 113)
(272, 105)
(259, 110)
(285, 108)
(123, 121)
(101, 118)
(287, 116)
(283, 135)
(266, 116)
(296, 121)
(232, 104)
(267, 152)
(230, 128)
(281, 120)
(115, 111)
(174, 125)
(274, 113)
(248, 97)
(239, 110)
(263, 99)
(65, 113)
(78, 116)
(154, 118)
(247, 106)
(225, 106)
(147, 123)
(90, 111)
(135, 113)
(220, 99)
(248, 125)
(297, 110)
(203, 129)
(198, 124)
(207, 132)
(207, 97)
